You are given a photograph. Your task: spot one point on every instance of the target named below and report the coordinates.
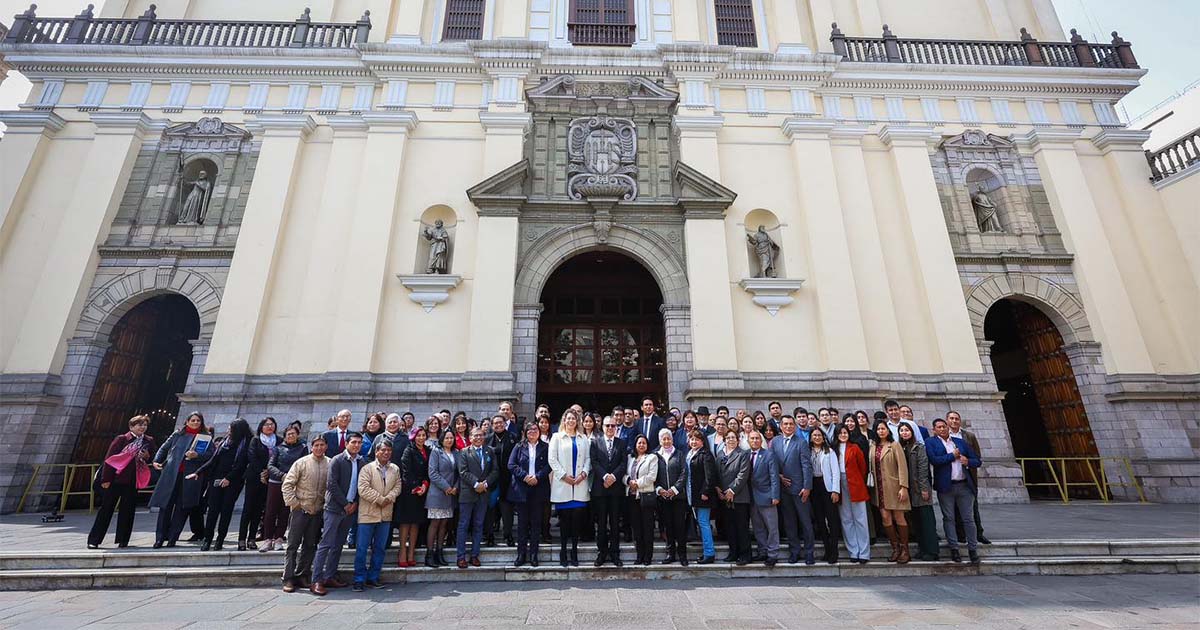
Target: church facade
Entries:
(424, 204)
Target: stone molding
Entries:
(22, 122)
(1121, 140)
(771, 293)
(1057, 302)
(908, 136)
(429, 290)
(282, 125)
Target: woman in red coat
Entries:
(852, 504)
(135, 449)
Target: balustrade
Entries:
(1175, 157)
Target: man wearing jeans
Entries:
(341, 502)
(951, 459)
(477, 475)
(378, 487)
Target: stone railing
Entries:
(589, 34)
(1027, 51)
(149, 30)
(1175, 157)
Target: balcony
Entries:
(1175, 158)
(1027, 51)
(589, 34)
(148, 30)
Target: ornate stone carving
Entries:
(439, 249)
(195, 205)
(209, 135)
(602, 158)
(985, 212)
(766, 250)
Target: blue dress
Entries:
(567, 505)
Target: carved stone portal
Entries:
(602, 158)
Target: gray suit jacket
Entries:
(443, 475)
(471, 471)
(734, 472)
(764, 478)
(340, 471)
(794, 462)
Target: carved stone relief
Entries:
(602, 158)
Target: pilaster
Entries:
(26, 141)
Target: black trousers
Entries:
(220, 511)
(672, 514)
(500, 517)
(735, 521)
(643, 528)
(173, 516)
(126, 495)
(252, 509)
(607, 509)
(529, 526)
(825, 516)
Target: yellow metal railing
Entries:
(70, 473)
(1059, 471)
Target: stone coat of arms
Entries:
(602, 158)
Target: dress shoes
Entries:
(707, 560)
(91, 546)
(196, 537)
(599, 562)
(289, 587)
(475, 561)
(973, 556)
(770, 562)
(670, 559)
(158, 544)
(318, 589)
(462, 563)
(206, 546)
(809, 559)
(617, 562)
(521, 561)
(509, 542)
(729, 558)
(955, 556)
(533, 560)
(683, 561)
(334, 583)
(171, 543)
(429, 561)
(758, 558)
(217, 545)
(741, 562)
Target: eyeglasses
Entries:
(610, 426)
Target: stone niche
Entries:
(975, 161)
(163, 176)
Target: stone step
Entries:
(189, 555)
(263, 576)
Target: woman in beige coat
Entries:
(889, 471)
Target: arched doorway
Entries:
(600, 337)
(143, 372)
(1042, 405)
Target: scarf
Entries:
(267, 440)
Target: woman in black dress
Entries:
(409, 512)
(224, 474)
(258, 455)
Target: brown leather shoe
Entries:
(335, 583)
(318, 589)
(462, 564)
(289, 587)
(475, 561)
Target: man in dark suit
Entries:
(341, 505)
(339, 435)
(792, 456)
(501, 517)
(951, 459)
(650, 423)
(671, 487)
(764, 497)
(478, 473)
(609, 457)
(957, 431)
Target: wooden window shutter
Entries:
(602, 23)
(735, 23)
(464, 19)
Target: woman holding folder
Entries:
(181, 455)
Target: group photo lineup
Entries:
(599, 314)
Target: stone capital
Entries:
(347, 126)
(1038, 139)
(907, 136)
(505, 122)
(121, 123)
(398, 121)
(698, 126)
(285, 125)
(22, 122)
(808, 128)
(1121, 140)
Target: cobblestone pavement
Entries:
(979, 603)
(1032, 521)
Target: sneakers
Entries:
(374, 584)
(358, 587)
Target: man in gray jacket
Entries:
(478, 473)
(764, 497)
(791, 454)
(341, 502)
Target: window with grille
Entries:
(735, 23)
(464, 19)
(602, 23)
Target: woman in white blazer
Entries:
(570, 463)
(639, 482)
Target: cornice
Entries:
(1009, 258)
(1044, 138)
(25, 122)
(285, 125)
(1116, 139)
(901, 135)
(500, 121)
(698, 125)
(400, 121)
(123, 251)
(807, 127)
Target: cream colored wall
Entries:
(1179, 198)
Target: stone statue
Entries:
(766, 250)
(195, 205)
(985, 212)
(439, 238)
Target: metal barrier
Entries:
(1096, 475)
(70, 473)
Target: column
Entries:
(524, 355)
(407, 18)
(823, 18)
(843, 342)
(1143, 216)
(1106, 300)
(937, 271)
(366, 274)
(789, 33)
(259, 242)
(709, 284)
(493, 280)
(25, 144)
(677, 328)
(885, 349)
(99, 181)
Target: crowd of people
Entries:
(454, 483)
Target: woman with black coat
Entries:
(285, 453)
(702, 490)
(224, 474)
(409, 511)
(257, 458)
(179, 488)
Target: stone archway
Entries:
(1058, 303)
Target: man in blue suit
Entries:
(650, 423)
(952, 459)
(764, 497)
(791, 454)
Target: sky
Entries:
(1163, 34)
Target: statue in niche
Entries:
(195, 205)
(439, 238)
(985, 212)
(766, 250)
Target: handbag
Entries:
(647, 499)
(870, 480)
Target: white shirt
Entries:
(352, 493)
(956, 469)
(895, 427)
(532, 458)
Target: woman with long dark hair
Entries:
(259, 455)
(441, 499)
(826, 492)
(410, 507)
(462, 431)
(889, 471)
(179, 489)
(922, 521)
(643, 472)
(852, 504)
(225, 475)
(285, 453)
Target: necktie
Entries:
(750, 482)
(342, 440)
(482, 465)
(609, 443)
(647, 430)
